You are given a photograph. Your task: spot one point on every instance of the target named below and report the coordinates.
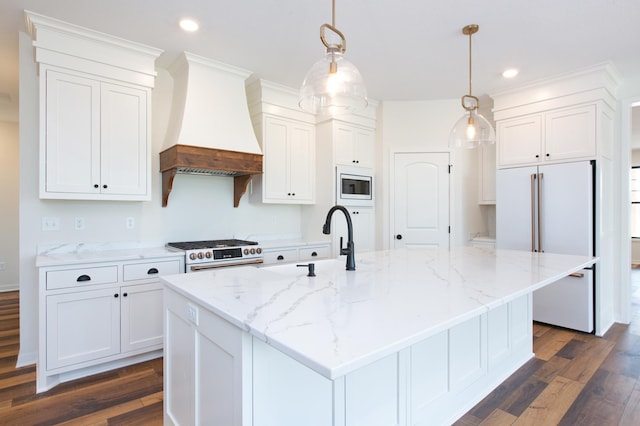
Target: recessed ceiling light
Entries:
(510, 73)
(189, 25)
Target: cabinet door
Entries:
(302, 162)
(276, 158)
(570, 134)
(141, 318)
(72, 135)
(487, 182)
(519, 141)
(123, 148)
(82, 326)
(354, 146)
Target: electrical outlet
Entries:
(131, 223)
(79, 223)
(192, 313)
(50, 223)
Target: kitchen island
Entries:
(413, 336)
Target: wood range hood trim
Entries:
(186, 159)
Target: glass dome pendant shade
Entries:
(333, 85)
(472, 129)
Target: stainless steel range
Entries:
(202, 255)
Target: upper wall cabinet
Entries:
(355, 146)
(95, 113)
(288, 139)
(565, 134)
(568, 118)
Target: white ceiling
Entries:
(405, 50)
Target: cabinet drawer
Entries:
(146, 270)
(311, 253)
(281, 256)
(82, 277)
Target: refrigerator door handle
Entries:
(533, 212)
(540, 176)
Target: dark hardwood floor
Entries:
(574, 379)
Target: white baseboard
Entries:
(9, 287)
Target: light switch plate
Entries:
(50, 223)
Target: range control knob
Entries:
(253, 251)
(192, 256)
(246, 251)
(200, 255)
(258, 250)
(208, 255)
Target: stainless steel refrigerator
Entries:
(550, 208)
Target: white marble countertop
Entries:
(342, 320)
(71, 254)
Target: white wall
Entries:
(425, 126)
(9, 206)
(199, 207)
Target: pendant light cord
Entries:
(470, 33)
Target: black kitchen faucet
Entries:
(349, 250)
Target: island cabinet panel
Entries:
(286, 392)
(207, 363)
(217, 373)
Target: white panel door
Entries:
(141, 313)
(519, 141)
(514, 209)
(421, 199)
(123, 147)
(302, 162)
(82, 326)
(72, 133)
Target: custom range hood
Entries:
(210, 131)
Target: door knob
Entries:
(398, 237)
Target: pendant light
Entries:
(333, 85)
(472, 129)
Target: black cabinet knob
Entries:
(116, 295)
(96, 186)
(125, 294)
(547, 154)
(398, 237)
(104, 186)
(537, 156)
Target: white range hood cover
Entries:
(209, 107)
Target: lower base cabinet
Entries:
(100, 316)
(432, 382)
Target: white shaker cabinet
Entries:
(95, 139)
(487, 181)
(560, 135)
(97, 316)
(289, 162)
(354, 146)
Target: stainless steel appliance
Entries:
(203, 255)
(551, 209)
(354, 186)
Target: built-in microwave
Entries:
(354, 186)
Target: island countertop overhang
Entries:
(340, 320)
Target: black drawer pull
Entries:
(82, 278)
(314, 254)
(280, 257)
(152, 271)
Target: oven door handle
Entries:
(195, 268)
